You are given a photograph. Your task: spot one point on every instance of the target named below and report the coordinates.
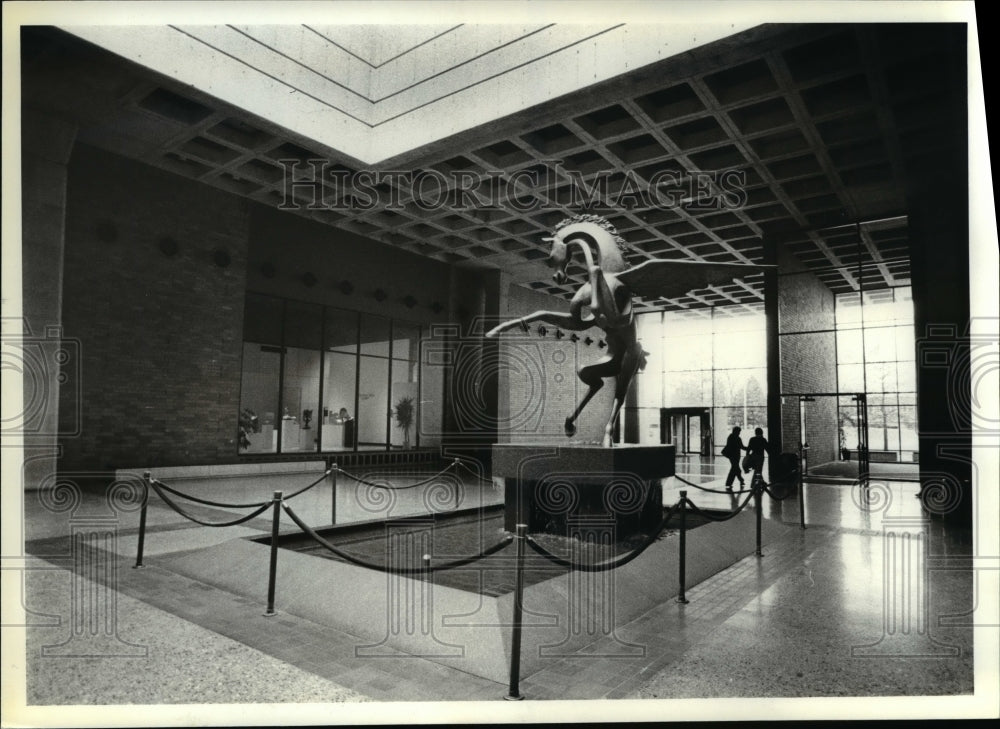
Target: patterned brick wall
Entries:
(160, 335)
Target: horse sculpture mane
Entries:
(598, 220)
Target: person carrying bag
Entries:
(734, 447)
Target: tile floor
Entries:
(793, 623)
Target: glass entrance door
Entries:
(688, 429)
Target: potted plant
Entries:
(404, 418)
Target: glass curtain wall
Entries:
(876, 354)
(703, 361)
(323, 379)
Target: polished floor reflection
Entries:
(875, 597)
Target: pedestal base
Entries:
(545, 487)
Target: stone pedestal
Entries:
(547, 486)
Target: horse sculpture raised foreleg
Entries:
(571, 322)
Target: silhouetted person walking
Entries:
(756, 450)
(732, 451)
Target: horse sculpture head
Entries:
(595, 236)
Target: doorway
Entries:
(689, 430)
(831, 432)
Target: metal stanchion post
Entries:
(333, 493)
(802, 504)
(272, 573)
(142, 519)
(683, 548)
(513, 694)
(758, 488)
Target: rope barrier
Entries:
(712, 491)
(306, 488)
(196, 520)
(608, 564)
(206, 502)
(790, 490)
(721, 518)
(221, 504)
(394, 570)
(395, 488)
(473, 473)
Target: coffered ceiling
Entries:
(375, 91)
(804, 134)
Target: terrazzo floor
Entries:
(793, 623)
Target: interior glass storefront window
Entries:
(373, 382)
(373, 403)
(327, 379)
(259, 398)
(432, 376)
(300, 389)
(375, 333)
(340, 341)
(405, 403)
(261, 375)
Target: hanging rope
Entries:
(394, 570)
(721, 518)
(473, 473)
(306, 488)
(790, 489)
(712, 491)
(179, 510)
(610, 564)
(365, 482)
(206, 502)
(253, 505)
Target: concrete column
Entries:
(939, 255)
(46, 145)
(773, 352)
(476, 403)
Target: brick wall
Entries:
(821, 431)
(159, 336)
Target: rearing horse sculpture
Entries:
(605, 301)
(610, 308)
